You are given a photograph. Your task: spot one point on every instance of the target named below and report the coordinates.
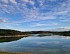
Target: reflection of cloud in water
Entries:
(68, 37)
(66, 46)
(2, 50)
(46, 42)
(51, 50)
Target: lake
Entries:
(38, 45)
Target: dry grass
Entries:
(14, 53)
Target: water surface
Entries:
(38, 45)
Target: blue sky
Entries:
(29, 15)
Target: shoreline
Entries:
(15, 36)
(15, 52)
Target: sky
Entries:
(34, 15)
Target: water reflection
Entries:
(39, 45)
(9, 39)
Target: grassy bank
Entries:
(14, 53)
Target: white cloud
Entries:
(62, 12)
(5, 1)
(65, 20)
(38, 24)
(13, 1)
(52, 0)
(35, 14)
(43, 24)
(28, 1)
(3, 20)
(61, 29)
(25, 0)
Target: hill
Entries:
(64, 33)
(8, 32)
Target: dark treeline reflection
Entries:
(9, 39)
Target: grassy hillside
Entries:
(8, 32)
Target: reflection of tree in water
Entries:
(9, 39)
